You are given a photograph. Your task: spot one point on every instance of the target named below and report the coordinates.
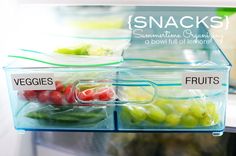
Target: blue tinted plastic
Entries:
(135, 92)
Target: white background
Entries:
(139, 2)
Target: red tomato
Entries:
(59, 86)
(69, 94)
(86, 95)
(104, 94)
(56, 97)
(39, 91)
(30, 94)
(44, 96)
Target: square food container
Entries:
(94, 17)
(74, 46)
(56, 104)
(164, 102)
(139, 95)
(173, 88)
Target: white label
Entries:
(202, 80)
(39, 81)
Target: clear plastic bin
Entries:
(162, 101)
(59, 109)
(138, 95)
(164, 105)
(170, 88)
(82, 47)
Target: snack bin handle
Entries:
(115, 84)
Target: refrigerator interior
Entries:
(34, 20)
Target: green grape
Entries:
(168, 108)
(161, 102)
(172, 119)
(125, 115)
(165, 105)
(138, 113)
(211, 108)
(182, 108)
(197, 110)
(212, 111)
(206, 121)
(155, 113)
(216, 118)
(189, 121)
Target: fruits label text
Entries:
(202, 80)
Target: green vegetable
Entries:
(52, 117)
(85, 49)
(68, 114)
(81, 50)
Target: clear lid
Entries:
(175, 57)
(161, 38)
(133, 58)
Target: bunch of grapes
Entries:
(173, 113)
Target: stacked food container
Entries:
(98, 76)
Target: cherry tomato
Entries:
(30, 94)
(86, 95)
(59, 86)
(104, 94)
(56, 97)
(39, 91)
(69, 94)
(44, 96)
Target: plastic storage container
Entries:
(156, 87)
(139, 95)
(56, 108)
(71, 45)
(165, 105)
(94, 17)
(173, 94)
